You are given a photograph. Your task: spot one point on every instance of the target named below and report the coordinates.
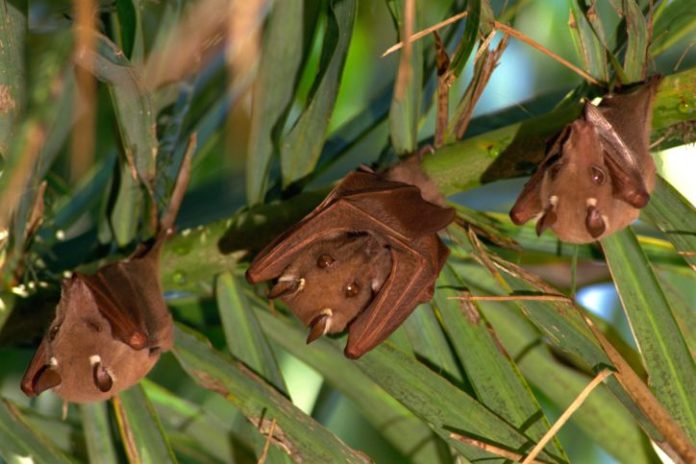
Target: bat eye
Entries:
(53, 332)
(352, 289)
(325, 261)
(598, 175)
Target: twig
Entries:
(82, 142)
(498, 451)
(577, 402)
(444, 80)
(511, 298)
(424, 32)
(267, 445)
(403, 75)
(534, 44)
(677, 444)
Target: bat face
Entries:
(109, 331)
(333, 281)
(110, 327)
(363, 259)
(596, 175)
(82, 360)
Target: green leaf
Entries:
(471, 30)
(273, 91)
(587, 45)
(601, 417)
(670, 366)
(245, 340)
(13, 25)
(673, 21)
(635, 59)
(19, 441)
(141, 431)
(495, 378)
(302, 146)
(404, 113)
(670, 212)
(439, 403)
(298, 434)
(400, 427)
(95, 423)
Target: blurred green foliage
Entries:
(286, 97)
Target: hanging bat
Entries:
(597, 173)
(363, 259)
(110, 327)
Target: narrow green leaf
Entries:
(635, 59)
(141, 431)
(245, 339)
(673, 21)
(19, 442)
(429, 343)
(495, 378)
(466, 46)
(13, 26)
(399, 426)
(298, 434)
(98, 439)
(125, 216)
(439, 403)
(525, 344)
(273, 91)
(128, 22)
(587, 45)
(302, 146)
(205, 433)
(670, 212)
(671, 368)
(601, 417)
(404, 113)
(136, 120)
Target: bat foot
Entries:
(319, 325)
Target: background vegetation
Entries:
(80, 113)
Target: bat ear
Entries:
(44, 379)
(528, 204)
(594, 222)
(101, 378)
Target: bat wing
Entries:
(39, 376)
(410, 282)
(360, 202)
(622, 162)
(125, 295)
(528, 203)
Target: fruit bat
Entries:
(363, 259)
(110, 327)
(597, 173)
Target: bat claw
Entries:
(285, 287)
(319, 325)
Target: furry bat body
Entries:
(363, 259)
(598, 172)
(110, 327)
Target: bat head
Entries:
(333, 280)
(576, 191)
(79, 357)
(580, 191)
